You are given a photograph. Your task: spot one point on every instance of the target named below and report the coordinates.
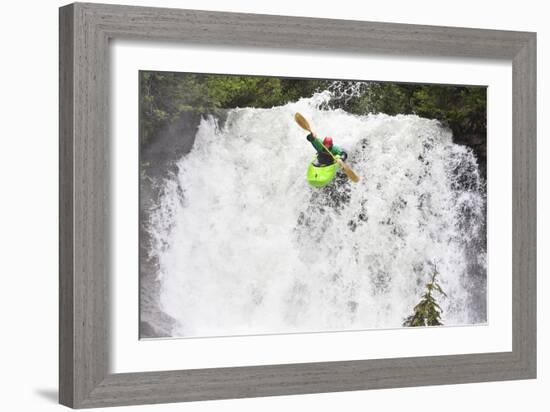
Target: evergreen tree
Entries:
(427, 312)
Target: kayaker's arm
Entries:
(337, 151)
(317, 144)
(311, 137)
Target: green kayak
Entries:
(319, 176)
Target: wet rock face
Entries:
(158, 162)
(158, 156)
(158, 159)
(478, 143)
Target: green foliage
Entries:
(462, 108)
(427, 312)
(165, 96)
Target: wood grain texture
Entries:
(85, 31)
(66, 229)
(524, 213)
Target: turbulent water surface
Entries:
(245, 246)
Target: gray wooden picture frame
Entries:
(85, 31)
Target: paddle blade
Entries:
(302, 122)
(348, 171)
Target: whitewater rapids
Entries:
(245, 246)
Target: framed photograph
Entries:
(257, 205)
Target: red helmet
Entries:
(327, 141)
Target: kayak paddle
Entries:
(304, 124)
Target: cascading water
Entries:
(245, 246)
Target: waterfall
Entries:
(245, 246)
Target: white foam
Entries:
(246, 246)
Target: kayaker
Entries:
(323, 158)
